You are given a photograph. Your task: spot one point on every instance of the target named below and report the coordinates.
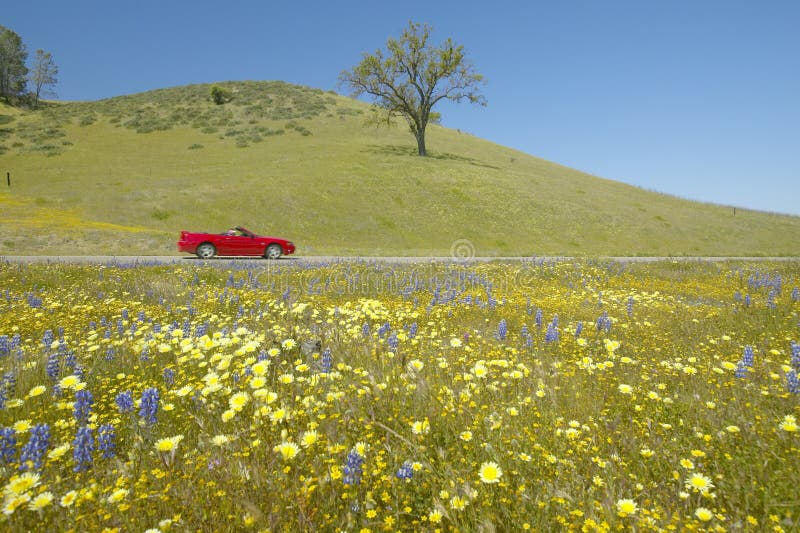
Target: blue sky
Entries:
(697, 98)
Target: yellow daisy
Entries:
(238, 401)
(490, 472)
(41, 501)
(69, 498)
(168, 444)
(703, 514)
(117, 496)
(22, 483)
(288, 450)
(626, 507)
(36, 391)
(699, 483)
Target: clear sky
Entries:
(697, 98)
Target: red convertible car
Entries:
(235, 241)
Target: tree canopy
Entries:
(13, 71)
(412, 76)
(43, 74)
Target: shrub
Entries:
(220, 95)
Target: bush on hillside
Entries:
(220, 95)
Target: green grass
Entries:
(304, 164)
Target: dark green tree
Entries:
(220, 95)
(43, 74)
(13, 71)
(412, 77)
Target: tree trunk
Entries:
(420, 135)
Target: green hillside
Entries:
(125, 175)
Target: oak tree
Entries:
(12, 64)
(43, 74)
(412, 76)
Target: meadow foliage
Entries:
(237, 396)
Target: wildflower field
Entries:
(272, 396)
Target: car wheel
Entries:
(206, 251)
(274, 251)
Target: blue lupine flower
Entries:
(9, 382)
(124, 401)
(393, 342)
(629, 306)
(353, 468)
(327, 361)
(32, 453)
(47, 338)
(741, 370)
(106, 440)
(795, 362)
(83, 406)
(169, 377)
(5, 346)
(82, 448)
(603, 323)
(578, 329)
(737, 296)
(8, 444)
(53, 368)
(747, 300)
(34, 301)
(148, 407)
(796, 294)
(412, 331)
(70, 361)
(792, 382)
(406, 471)
(747, 359)
(144, 355)
(502, 330)
(384, 329)
(365, 330)
(551, 335)
(538, 318)
(7, 385)
(771, 299)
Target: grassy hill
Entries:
(125, 175)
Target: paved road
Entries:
(325, 259)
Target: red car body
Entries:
(235, 242)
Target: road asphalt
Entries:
(327, 259)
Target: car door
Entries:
(239, 244)
(250, 244)
(226, 244)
